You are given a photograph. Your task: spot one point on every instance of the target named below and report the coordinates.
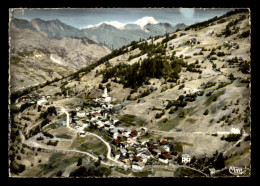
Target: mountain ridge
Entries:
(55, 29)
(36, 58)
(116, 38)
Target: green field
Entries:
(131, 120)
(97, 149)
(214, 97)
(118, 169)
(142, 174)
(58, 161)
(53, 163)
(237, 157)
(78, 141)
(50, 126)
(191, 120)
(65, 136)
(169, 124)
(178, 147)
(182, 172)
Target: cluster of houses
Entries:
(193, 41)
(34, 98)
(28, 98)
(101, 116)
(132, 148)
(129, 146)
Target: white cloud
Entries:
(141, 22)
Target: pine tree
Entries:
(220, 162)
(79, 162)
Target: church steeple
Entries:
(105, 93)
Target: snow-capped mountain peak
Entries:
(141, 22)
(116, 24)
(112, 23)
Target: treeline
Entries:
(208, 22)
(149, 49)
(202, 24)
(157, 67)
(233, 12)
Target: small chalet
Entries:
(143, 141)
(123, 151)
(81, 114)
(185, 158)
(116, 154)
(137, 168)
(151, 147)
(116, 142)
(115, 121)
(163, 142)
(166, 148)
(96, 114)
(212, 171)
(126, 161)
(134, 133)
(165, 156)
(143, 129)
(138, 159)
(145, 156)
(166, 161)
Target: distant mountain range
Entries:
(54, 29)
(113, 34)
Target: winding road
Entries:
(89, 133)
(31, 143)
(244, 136)
(37, 145)
(199, 133)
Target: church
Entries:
(105, 96)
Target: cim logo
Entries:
(236, 170)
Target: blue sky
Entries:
(91, 16)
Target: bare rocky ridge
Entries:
(39, 58)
